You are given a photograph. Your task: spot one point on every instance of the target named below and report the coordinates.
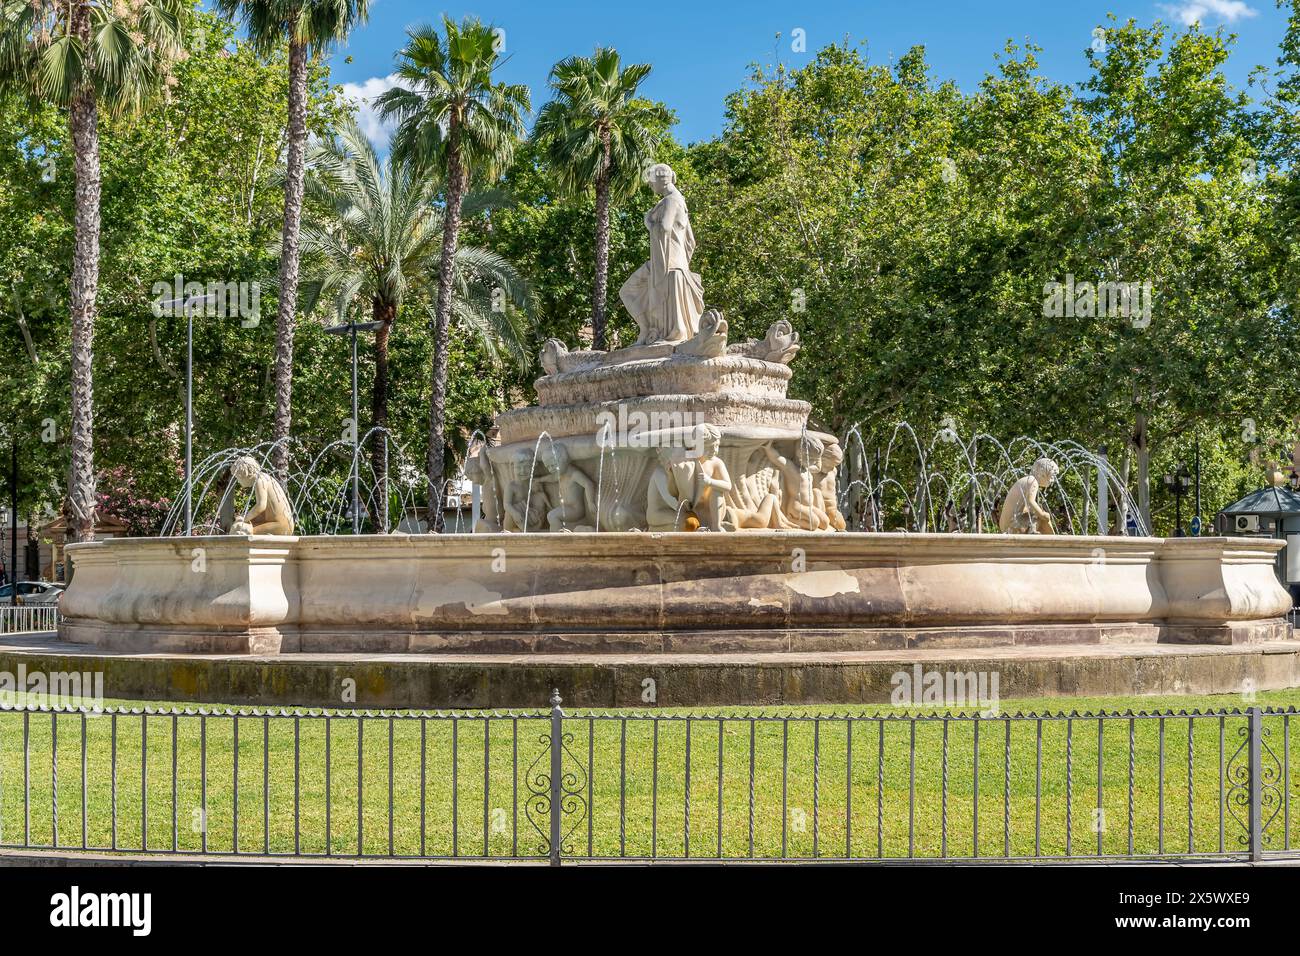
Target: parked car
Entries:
(32, 593)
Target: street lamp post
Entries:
(1178, 483)
(351, 329)
(1197, 529)
(189, 305)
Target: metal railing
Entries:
(556, 786)
(27, 619)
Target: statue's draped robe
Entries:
(664, 296)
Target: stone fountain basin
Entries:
(638, 592)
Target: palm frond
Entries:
(593, 98)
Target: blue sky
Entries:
(701, 51)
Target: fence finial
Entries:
(556, 700)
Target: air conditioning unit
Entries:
(1245, 524)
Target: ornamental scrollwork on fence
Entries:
(537, 805)
(1237, 777)
(571, 801)
(573, 784)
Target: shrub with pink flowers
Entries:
(120, 495)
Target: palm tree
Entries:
(378, 239)
(86, 56)
(595, 133)
(453, 117)
(310, 26)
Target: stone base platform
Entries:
(426, 681)
(341, 640)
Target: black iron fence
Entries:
(553, 786)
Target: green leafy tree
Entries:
(1181, 206)
(452, 115)
(597, 135)
(187, 190)
(87, 57)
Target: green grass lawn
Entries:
(474, 798)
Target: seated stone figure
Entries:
(799, 511)
(523, 511)
(710, 480)
(664, 510)
(760, 507)
(478, 469)
(271, 512)
(1021, 512)
(574, 494)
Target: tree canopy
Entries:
(922, 239)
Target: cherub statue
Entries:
(824, 495)
(575, 493)
(663, 506)
(760, 509)
(478, 469)
(710, 480)
(271, 512)
(798, 500)
(522, 510)
(1021, 513)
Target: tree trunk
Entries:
(285, 319)
(456, 183)
(381, 312)
(83, 124)
(602, 249)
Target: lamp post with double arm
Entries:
(351, 329)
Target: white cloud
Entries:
(364, 95)
(1196, 11)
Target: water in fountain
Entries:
(319, 487)
(955, 485)
(947, 484)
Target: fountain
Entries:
(666, 511)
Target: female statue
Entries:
(664, 296)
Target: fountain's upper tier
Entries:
(672, 375)
(665, 436)
(701, 380)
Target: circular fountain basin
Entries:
(643, 593)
